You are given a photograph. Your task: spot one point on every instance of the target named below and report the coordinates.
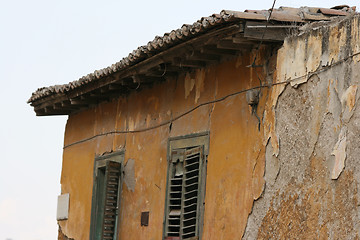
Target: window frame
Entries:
(101, 162)
(186, 142)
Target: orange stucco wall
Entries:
(236, 158)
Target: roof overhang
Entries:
(208, 41)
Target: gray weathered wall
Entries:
(312, 178)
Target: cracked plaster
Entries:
(311, 128)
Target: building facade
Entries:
(240, 126)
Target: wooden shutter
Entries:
(183, 193)
(112, 180)
(190, 192)
(175, 194)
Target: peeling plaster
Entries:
(195, 80)
(339, 152)
(62, 235)
(311, 128)
(338, 36)
(189, 84)
(348, 100)
(258, 183)
(272, 166)
(129, 174)
(355, 37)
(200, 83)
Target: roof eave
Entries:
(208, 41)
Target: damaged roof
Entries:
(208, 40)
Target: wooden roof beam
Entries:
(165, 70)
(49, 110)
(268, 32)
(142, 78)
(82, 103)
(168, 67)
(40, 113)
(181, 62)
(60, 106)
(229, 44)
(205, 57)
(99, 96)
(212, 49)
(115, 87)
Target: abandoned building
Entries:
(243, 125)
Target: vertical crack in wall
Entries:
(213, 104)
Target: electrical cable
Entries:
(263, 34)
(307, 76)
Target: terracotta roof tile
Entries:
(188, 31)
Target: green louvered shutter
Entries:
(182, 220)
(190, 192)
(112, 181)
(175, 194)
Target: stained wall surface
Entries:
(236, 157)
(312, 182)
(295, 177)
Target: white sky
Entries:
(47, 42)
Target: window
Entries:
(106, 197)
(185, 188)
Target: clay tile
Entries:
(149, 46)
(185, 30)
(212, 21)
(179, 33)
(251, 11)
(172, 35)
(332, 12)
(166, 39)
(339, 7)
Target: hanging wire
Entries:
(263, 34)
(307, 76)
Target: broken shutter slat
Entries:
(174, 193)
(112, 180)
(183, 193)
(190, 191)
